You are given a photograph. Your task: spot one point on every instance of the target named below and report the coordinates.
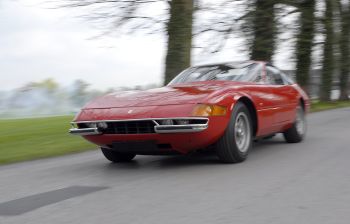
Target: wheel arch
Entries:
(252, 110)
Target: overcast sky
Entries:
(38, 43)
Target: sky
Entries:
(37, 43)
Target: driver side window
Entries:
(273, 76)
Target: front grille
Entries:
(130, 127)
(164, 125)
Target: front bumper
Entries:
(85, 128)
(84, 131)
(181, 142)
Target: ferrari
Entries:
(222, 107)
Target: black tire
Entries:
(296, 133)
(227, 148)
(117, 157)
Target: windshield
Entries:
(243, 73)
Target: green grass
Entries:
(34, 138)
(321, 106)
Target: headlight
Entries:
(209, 110)
(166, 122)
(91, 125)
(182, 122)
(102, 125)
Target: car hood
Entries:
(188, 93)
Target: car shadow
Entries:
(166, 162)
(265, 147)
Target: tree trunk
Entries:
(264, 31)
(179, 32)
(304, 43)
(328, 56)
(344, 53)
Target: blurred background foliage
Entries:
(48, 98)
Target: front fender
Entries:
(227, 99)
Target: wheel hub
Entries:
(242, 132)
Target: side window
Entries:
(258, 79)
(255, 74)
(273, 76)
(287, 79)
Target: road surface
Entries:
(279, 183)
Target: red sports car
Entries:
(221, 107)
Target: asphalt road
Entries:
(279, 183)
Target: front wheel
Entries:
(297, 132)
(234, 145)
(117, 157)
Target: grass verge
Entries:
(321, 106)
(34, 138)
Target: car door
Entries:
(284, 97)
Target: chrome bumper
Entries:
(158, 127)
(164, 129)
(84, 131)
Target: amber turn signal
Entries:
(209, 110)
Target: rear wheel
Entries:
(117, 157)
(234, 145)
(297, 132)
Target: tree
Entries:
(264, 30)
(305, 42)
(49, 84)
(179, 31)
(133, 16)
(257, 20)
(79, 92)
(344, 43)
(253, 20)
(328, 54)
